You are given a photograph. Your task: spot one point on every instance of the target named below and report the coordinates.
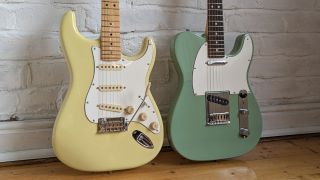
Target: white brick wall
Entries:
(285, 74)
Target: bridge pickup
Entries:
(111, 88)
(111, 108)
(218, 108)
(110, 67)
(112, 125)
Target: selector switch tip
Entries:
(154, 126)
(129, 110)
(143, 117)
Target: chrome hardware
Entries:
(112, 125)
(218, 108)
(243, 114)
(216, 63)
(142, 139)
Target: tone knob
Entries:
(154, 126)
(143, 117)
(129, 110)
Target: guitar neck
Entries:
(110, 31)
(215, 29)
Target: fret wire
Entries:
(215, 29)
(110, 30)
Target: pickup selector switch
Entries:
(143, 116)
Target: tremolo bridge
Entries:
(218, 109)
(112, 125)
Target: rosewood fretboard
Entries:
(110, 31)
(215, 29)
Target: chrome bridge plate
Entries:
(218, 108)
(112, 125)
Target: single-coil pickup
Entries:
(116, 88)
(110, 67)
(111, 108)
(217, 100)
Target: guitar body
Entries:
(75, 139)
(187, 129)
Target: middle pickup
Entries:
(111, 88)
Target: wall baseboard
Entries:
(25, 140)
(26, 155)
(291, 131)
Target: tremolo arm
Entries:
(143, 101)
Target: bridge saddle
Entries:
(112, 125)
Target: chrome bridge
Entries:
(218, 108)
(112, 125)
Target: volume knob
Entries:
(154, 126)
(129, 110)
(143, 117)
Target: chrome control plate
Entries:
(218, 108)
(243, 114)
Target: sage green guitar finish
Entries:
(187, 128)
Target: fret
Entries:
(110, 31)
(216, 33)
(215, 29)
(217, 56)
(111, 12)
(217, 47)
(214, 1)
(217, 43)
(110, 18)
(111, 44)
(216, 23)
(110, 56)
(108, 35)
(111, 53)
(107, 39)
(212, 19)
(215, 13)
(215, 39)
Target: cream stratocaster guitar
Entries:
(109, 119)
(215, 115)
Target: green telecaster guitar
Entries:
(215, 115)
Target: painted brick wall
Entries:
(285, 74)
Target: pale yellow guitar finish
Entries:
(75, 139)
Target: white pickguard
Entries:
(229, 77)
(133, 78)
